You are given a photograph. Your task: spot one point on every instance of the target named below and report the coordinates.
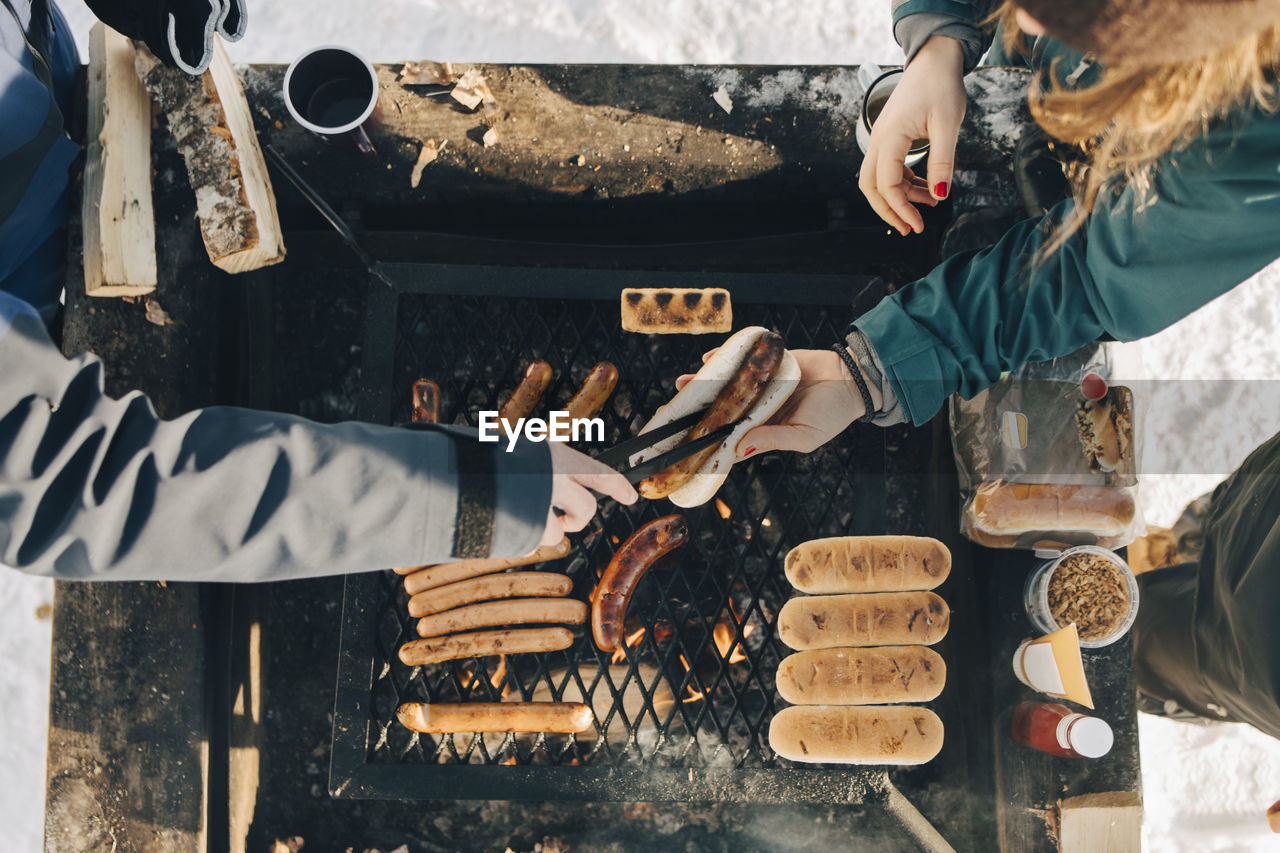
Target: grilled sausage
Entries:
(513, 611)
(447, 717)
(488, 588)
(426, 402)
(430, 577)
(731, 404)
(619, 581)
(594, 392)
(484, 643)
(527, 394)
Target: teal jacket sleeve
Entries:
(96, 488)
(1209, 222)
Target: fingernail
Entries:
(940, 189)
(748, 452)
(903, 231)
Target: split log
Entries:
(117, 216)
(209, 117)
(1100, 823)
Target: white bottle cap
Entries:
(1089, 736)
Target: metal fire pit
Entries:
(684, 714)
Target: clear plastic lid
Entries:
(1090, 736)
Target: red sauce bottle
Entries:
(1058, 730)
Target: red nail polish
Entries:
(748, 452)
(940, 189)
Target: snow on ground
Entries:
(1206, 788)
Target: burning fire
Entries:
(630, 641)
(500, 673)
(727, 644)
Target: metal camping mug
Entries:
(877, 95)
(333, 92)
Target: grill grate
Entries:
(690, 701)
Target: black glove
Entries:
(179, 32)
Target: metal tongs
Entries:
(619, 456)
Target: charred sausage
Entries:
(594, 392)
(730, 406)
(527, 394)
(426, 402)
(619, 581)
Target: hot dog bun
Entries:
(863, 619)
(867, 564)
(855, 676)
(867, 734)
(700, 393)
(1013, 509)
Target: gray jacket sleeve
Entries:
(913, 26)
(102, 489)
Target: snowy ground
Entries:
(1206, 789)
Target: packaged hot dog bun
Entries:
(867, 564)
(700, 393)
(856, 734)
(853, 676)
(863, 619)
(1002, 509)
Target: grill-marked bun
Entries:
(863, 619)
(867, 564)
(853, 734)
(676, 310)
(853, 676)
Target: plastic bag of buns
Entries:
(1047, 457)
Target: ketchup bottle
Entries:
(1057, 730)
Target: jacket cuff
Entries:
(501, 499)
(913, 30)
(891, 411)
(907, 353)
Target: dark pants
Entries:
(1208, 633)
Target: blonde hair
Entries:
(1135, 113)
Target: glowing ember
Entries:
(723, 509)
(694, 696)
(764, 522)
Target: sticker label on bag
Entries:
(1013, 430)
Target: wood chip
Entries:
(472, 90)
(430, 151)
(156, 314)
(427, 73)
(490, 138)
(721, 97)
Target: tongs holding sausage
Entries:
(619, 456)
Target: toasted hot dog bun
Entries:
(853, 676)
(702, 392)
(851, 734)
(867, 564)
(863, 619)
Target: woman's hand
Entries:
(825, 402)
(929, 103)
(572, 505)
